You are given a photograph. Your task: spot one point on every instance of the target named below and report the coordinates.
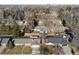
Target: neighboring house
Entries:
(41, 29)
(22, 24)
(40, 22)
(53, 26)
(7, 21)
(57, 40)
(56, 27)
(19, 22)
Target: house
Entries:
(7, 21)
(57, 27)
(22, 24)
(57, 40)
(41, 29)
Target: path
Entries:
(67, 50)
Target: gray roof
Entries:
(57, 40)
(41, 29)
(22, 41)
(4, 41)
(27, 40)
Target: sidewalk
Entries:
(35, 49)
(67, 50)
(1, 48)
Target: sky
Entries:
(39, 2)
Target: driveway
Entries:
(1, 48)
(67, 50)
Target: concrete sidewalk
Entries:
(67, 50)
(35, 49)
(1, 48)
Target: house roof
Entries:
(41, 29)
(57, 40)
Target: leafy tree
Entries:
(10, 43)
(64, 22)
(35, 22)
(6, 13)
(2, 29)
(12, 29)
(19, 15)
(68, 8)
(45, 10)
(76, 21)
(61, 13)
(15, 29)
(30, 24)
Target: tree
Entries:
(45, 10)
(6, 13)
(72, 51)
(35, 22)
(30, 24)
(61, 14)
(15, 29)
(68, 8)
(2, 29)
(19, 15)
(12, 29)
(64, 22)
(76, 21)
(10, 43)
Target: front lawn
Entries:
(18, 50)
